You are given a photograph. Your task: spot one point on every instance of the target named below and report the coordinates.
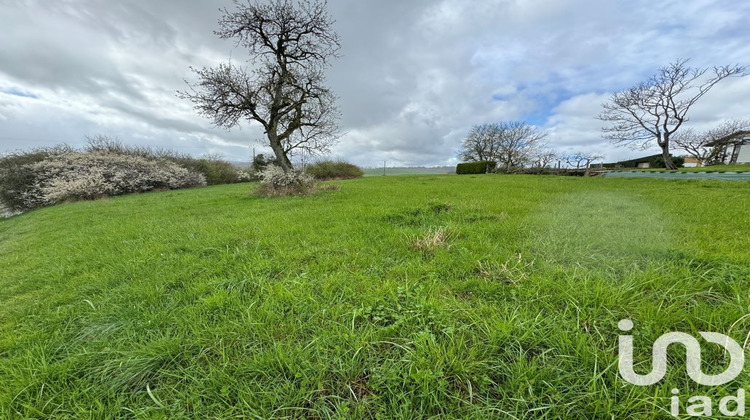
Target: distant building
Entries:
(691, 162)
(734, 148)
(652, 161)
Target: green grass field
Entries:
(410, 171)
(395, 297)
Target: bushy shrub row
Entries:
(105, 167)
(481, 167)
(84, 176)
(216, 170)
(334, 169)
(17, 177)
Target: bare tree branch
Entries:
(581, 159)
(656, 109)
(543, 158)
(290, 44)
(700, 144)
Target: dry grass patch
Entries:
(434, 238)
(330, 187)
(512, 271)
(284, 191)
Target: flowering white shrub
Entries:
(244, 175)
(5, 211)
(276, 177)
(276, 182)
(85, 176)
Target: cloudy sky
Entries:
(414, 77)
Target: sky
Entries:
(413, 78)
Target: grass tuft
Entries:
(433, 239)
(513, 271)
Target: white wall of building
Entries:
(744, 155)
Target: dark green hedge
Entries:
(216, 171)
(481, 167)
(334, 169)
(658, 162)
(654, 161)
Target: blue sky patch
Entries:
(19, 92)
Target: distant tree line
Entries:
(516, 144)
(510, 144)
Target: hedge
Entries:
(481, 167)
(334, 169)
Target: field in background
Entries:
(483, 296)
(410, 171)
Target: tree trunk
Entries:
(667, 157)
(663, 142)
(278, 151)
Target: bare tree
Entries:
(290, 44)
(544, 158)
(508, 143)
(699, 144)
(517, 143)
(655, 109)
(480, 144)
(581, 159)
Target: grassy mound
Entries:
(394, 297)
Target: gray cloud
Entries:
(414, 76)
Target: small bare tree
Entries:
(290, 44)
(655, 109)
(581, 159)
(699, 144)
(544, 158)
